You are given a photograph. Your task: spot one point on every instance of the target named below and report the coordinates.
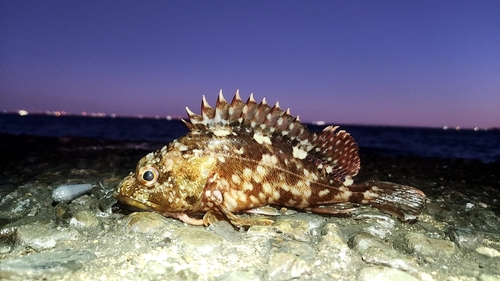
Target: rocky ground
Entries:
(89, 238)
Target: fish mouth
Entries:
(134, 205)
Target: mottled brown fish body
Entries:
(242, 156)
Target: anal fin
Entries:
(337, 209)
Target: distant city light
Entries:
(23, 112)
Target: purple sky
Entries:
(416, 63)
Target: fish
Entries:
(243, 156)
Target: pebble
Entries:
(84, 220)
(465, 240)
(429, 247)
(489, 252)
(286, 266)
(197, 241)
(149, 223)
(68, 192)
(225, 230)
(374, 251)
(301, 226)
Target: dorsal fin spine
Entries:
(334, 151)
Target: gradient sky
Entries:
(412, 63)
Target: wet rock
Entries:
(301, 227)
(375, 252)
(62, 211)
(13, 207)
(197, 241)
(41, 237)
(47, 265)
(489, 252)
(250, 275)
(485, 277)
(384, 273)
(333, 249)
(299, 249)
(381, 230)
(7, 239)
(84, 220)
(149, 223)
(224, 230)
(286, 266)
(465, 240)
(429, 247)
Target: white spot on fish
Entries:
(323, 192)
(218, 196)
(221, 132)
(299, 153)
(230, 202)
(262, 139)
(348, 181)
(254, 200)
(261, 170)
(329, 169)
(269, 160)
(247, 186)
(247, 173)
(267, 188)
(183, 147)
(236, 179)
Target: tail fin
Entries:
(404, 202)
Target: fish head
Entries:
(166, 181)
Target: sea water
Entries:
(483, 145)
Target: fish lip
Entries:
(129, 202)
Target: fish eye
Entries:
(148, 175)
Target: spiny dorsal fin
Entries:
(333, 151)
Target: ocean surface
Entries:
(483, 145)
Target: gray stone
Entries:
(225, 230)
(47, 265)
(197, 241)
(149, 223)
(464, 239)
(489, 252)
(248, 275)
(429, 247)
(485, 277)
(286, 266)
(41, 237)
(380, 273)
(374, 251)
(84, 220)
(301, 227)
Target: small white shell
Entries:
(68, 192)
